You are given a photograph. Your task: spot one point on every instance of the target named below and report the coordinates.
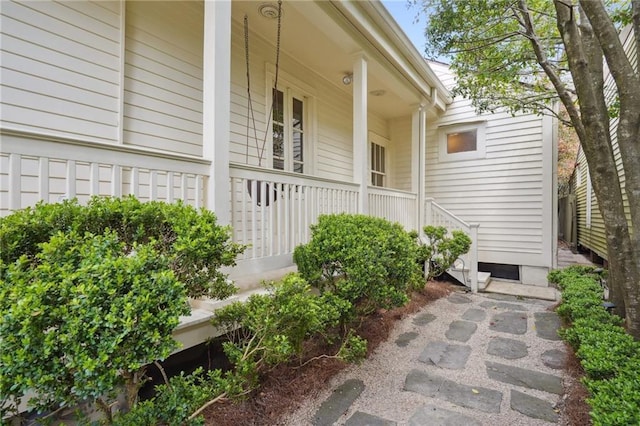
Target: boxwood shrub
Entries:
(90, 294)
(610, 357)
(363, 260)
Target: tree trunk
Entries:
(585, 55)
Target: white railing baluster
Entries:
(94, 179)
(116, 181)
(153, 186)
(134, 188)
(170, 187)
(243, 215)
(436, 215)
(15, 181)
(184, 187)
(254, 231)
(43, 179)
(71, 179)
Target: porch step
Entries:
(523, 290)
(462, 276)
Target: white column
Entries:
(418, 160)
(216, 98)
(360, 130)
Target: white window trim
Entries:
(385, 143)
(480, 152)
(291, 86)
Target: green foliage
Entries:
(616, 402)
(610, 357)
(81, 315)
(194, 244)
(90, 294)
(442, 249)
(270, 329)
(175, 402)
(362, 260)
(490, 52)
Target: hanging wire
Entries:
(250, 110)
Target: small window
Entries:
(465, 141)
(378, 166)
(462, 141)
(288, 130)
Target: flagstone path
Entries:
(468, 359)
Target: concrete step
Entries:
(462, 276)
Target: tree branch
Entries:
(563, 93)
(626, 79)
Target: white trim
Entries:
(360, 131)
(291, 87)
(480, 152)
(216, 101)
(384, 143)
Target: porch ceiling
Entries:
(317, 41)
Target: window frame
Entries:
(291, 88)
(444, 130)
(384, 143)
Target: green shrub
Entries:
(195, 245)
(363, 260)
(442, 249)
(616, 402)
(609, 356)
(605, 350)
(270, 329)
(90, 294)
(82, 318)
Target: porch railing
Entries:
(394, 205)
(272, 210)
(436, 215)
(37, 168)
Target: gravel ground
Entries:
(385, 371)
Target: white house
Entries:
(178, 100)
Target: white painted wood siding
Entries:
(593, 236)
(331, 143)
(401, 146)
(163, 75)
(508, 191)
(60, 68)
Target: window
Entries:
(288, 130)
(462, 141)
(378, 164)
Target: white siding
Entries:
(400, 129)
(163, 76)
(331, 146)
(60, 68)
(507, 191)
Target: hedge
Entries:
(610, 357)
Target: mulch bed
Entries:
(284, 388)
(574, 408)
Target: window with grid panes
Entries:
(288, 130)
(378, 166)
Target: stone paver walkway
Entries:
(468, 359)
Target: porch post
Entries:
(418, 161)
(360, 142)
(216, 101)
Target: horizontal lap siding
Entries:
(503, 191)
(163, 76)
(332, 152)
(401, 153)
(593, 237)
(60, 68)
